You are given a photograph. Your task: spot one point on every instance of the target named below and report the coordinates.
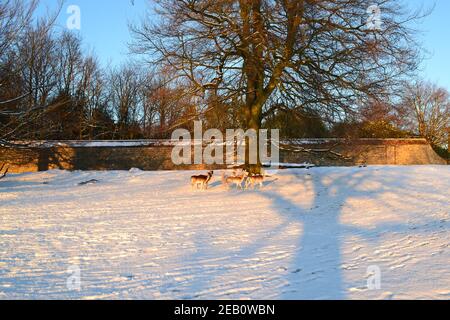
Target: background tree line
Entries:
(309, 68)
(50, 88)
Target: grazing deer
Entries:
(202, 180)
(254, 181)
(2, 175)
(233, 180)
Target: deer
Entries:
(233, 180)
(2, 175)
(254, 181)
(201, 180)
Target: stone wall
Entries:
(366, 151)
(156, 155)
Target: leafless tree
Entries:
(125, 84)
(26, 68)
(427, 111)
(15, 17)
(93, 94)
(321, 54)
(165, 103)
(70, 57)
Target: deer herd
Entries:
(239, 180)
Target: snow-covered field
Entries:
(309, 234)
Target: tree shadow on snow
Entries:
(316, 268)
(316, 262)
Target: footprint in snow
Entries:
(93, 181)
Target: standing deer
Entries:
(201, 180)
(2, 175)
(254, 181)
(233, 180)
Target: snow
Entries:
(309, 234)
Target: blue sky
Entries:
(104, 24)
(436, 40)
(104, 27)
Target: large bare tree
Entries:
(328, 55)
(426, 109)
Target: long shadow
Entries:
(315, 270)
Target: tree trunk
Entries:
(253, 117)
